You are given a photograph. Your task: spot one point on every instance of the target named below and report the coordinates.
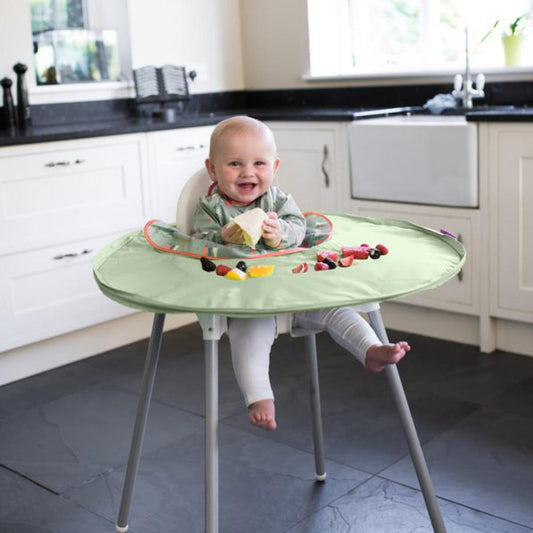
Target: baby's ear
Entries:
(276, 164)
(210, 169)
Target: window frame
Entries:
(334, 13)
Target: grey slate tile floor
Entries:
(64, 440)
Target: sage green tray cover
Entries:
(133, 273)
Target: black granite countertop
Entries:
(56, 122)
(99, 128)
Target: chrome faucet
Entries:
(462, 86)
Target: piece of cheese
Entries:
(251, 224)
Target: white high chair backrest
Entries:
(196, 186)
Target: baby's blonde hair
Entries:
(240, 124)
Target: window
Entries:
(403, 37)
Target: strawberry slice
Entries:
(323, 254)
(357, 252)
(302, 267)
(346, 261)
(321, 266)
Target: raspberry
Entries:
(382, 248)
(222, 270)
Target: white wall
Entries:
(204, 34)
(275, 43)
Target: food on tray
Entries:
(321, 266)
(322, 254)
(357, 252)
(236, 274)
(222, 270)
(331, 264)
(241, 265)
(346, 261)
(258, 271)
(302, 267)
(208, 265)
(374, 253)
(382, 248)
(251, 224)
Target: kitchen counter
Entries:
(124, 125)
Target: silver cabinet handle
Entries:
(325, 153)
(64, 163)
(190, 147)
(72, 254)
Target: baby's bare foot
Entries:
(379, 356)
(262, 414)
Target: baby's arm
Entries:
(206, 224)
(287, 225)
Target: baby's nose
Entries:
(247, 170)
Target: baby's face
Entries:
(243, 165)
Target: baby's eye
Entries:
(259, 163)
(234, 163)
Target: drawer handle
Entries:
(190, 147)
(64, 163)
(72, 254)
(325, 153)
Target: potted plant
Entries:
(513, 39)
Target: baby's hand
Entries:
(231, 234)
(272, 230)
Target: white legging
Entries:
(251, 340)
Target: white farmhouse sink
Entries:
(423, 159)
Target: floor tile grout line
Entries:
(29, 479)
(454, 502)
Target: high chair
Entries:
(213, 327)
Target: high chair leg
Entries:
(316, 414)
(213, 327)
(143, 407)
(415, 449)
(211, 436)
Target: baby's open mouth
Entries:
(247, 186)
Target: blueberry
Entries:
(330, 263)
(208, 265)
(241, 265)
(374, 253)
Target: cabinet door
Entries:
(175, 155)
(308, 165)
(61, 191)
(511, 193)
(460, 293)
(51, 291)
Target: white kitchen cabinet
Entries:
(175, 155)
(60, 202)
(68, 190)
(310, 169)
(510, 173)
(460, 294)
(51, 291)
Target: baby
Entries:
(242, 163)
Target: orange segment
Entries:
(258, 271)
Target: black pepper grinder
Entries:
(23, 106)
(9, 108)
